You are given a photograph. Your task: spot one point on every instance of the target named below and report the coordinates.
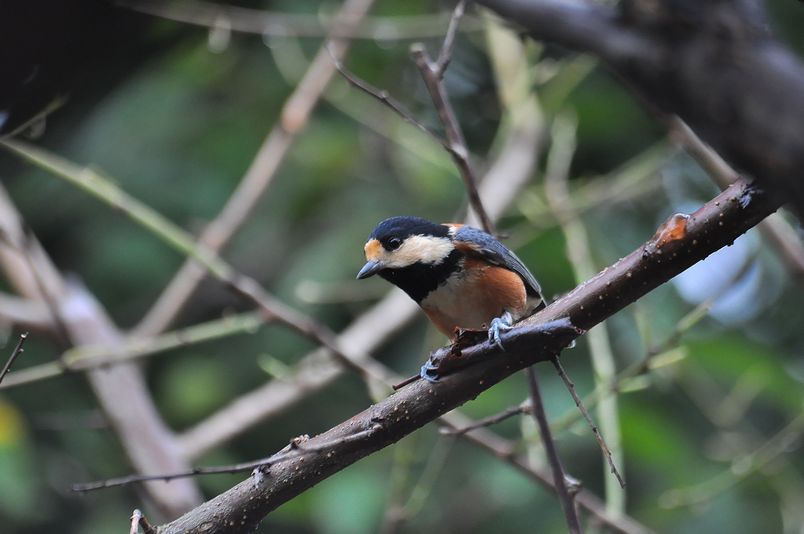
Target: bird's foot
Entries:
(441, 362)
(500, 324)
(429, 371)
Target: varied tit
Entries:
(461, 277)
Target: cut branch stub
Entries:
(672, 250)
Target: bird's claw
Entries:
(499, 324)
(429, 372)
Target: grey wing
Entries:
(496, 253)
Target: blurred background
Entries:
(708, 368)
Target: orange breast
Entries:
(475, 296)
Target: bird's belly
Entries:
(472, 301)
(448, 310)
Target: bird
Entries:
(462, 277)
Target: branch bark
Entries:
(500, 186)
(261, 172)
(711, 63)
(677, 245)
(121, 391)
(557, 469)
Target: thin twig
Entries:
(488, 421)
(559, 478)
(141, 431)
(579, 403)
(261, 172)
(637, 368)
(432, 73)
(445, 54)
(503, 449)
(504, 181)
(17, 351)
(85, 357)
(409, 380)
(456, 142)
(775, 229)
(385, 98)
(556, 188)
(741, 467)
(294, 450)
(175, 236)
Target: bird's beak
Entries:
(371, 268)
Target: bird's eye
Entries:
(394, 243)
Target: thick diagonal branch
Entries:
(677, 245)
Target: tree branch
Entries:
(579, 403)
(432, 74)
(677, 245)
(85, 357)
(503, 449)
(260, 174)
(775, 229)
(14, 355)
(711, 63)
(489, 421)
(396, 416)
(147, 441)
(505, 179)
(559, 478)
(28, 313)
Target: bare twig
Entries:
(663, 53)
(579, 403)
(142, 433)
(432, 73)
(139, 520)
(385, 98)
(271, 308)
(296, 449)
(456, 141)
(556, 190)
(669, 345)
(488, 421)
(504, 450)
(260, 174)
(146, 525)
(559, 478)
(741, 467)
(775, 229)
(17, 351)
(445, 54)
(83, 358)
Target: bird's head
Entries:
(401, 242)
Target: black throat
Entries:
(419, 279)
